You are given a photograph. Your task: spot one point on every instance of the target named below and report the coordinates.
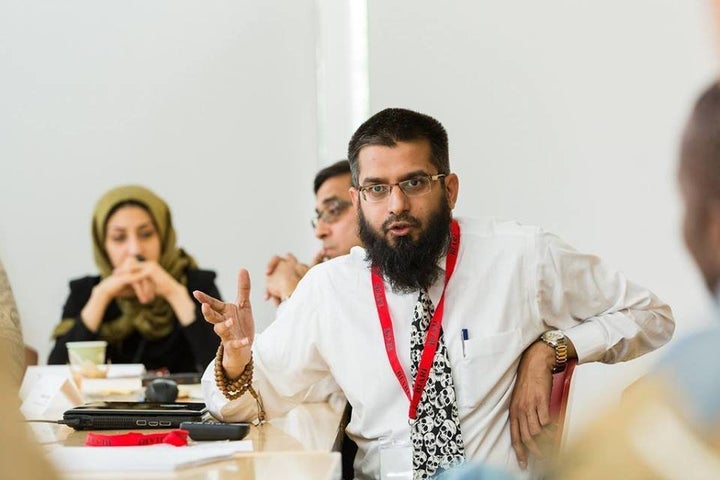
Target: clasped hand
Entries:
(144, 279)
(233, 323)
(284, 273)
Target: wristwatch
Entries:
(556, 339)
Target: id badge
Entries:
(396, 461)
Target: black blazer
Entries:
(185, 349)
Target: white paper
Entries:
(190, 392)
(106, 387)
(121, 370)
(49, 396)
(154, 458)
(35, 372)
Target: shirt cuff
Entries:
(584, 338)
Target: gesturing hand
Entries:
(234, 325)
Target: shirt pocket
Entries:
(488, 367)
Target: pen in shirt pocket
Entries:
(464, 337)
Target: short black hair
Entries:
(700, 150)
(341, 167)
(394, 125)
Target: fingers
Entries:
(301, 269)
(540, 441)
(128, 273)
(515, 434)
(529, 406)
(163, 282)
(517, 444)
(214, 303)
(533, 423)
(236, 348)
(291, 258)
(527, 436)
(210, 314)
(524, 427)
(129, 263)
(272, 264)
(231, 336)
(224, 329)
(543, 413)
(318, 258)
(243, 292)
(269, 295)
(144, 290)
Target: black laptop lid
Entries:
(124, 415)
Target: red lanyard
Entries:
(433, 333)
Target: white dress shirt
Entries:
(511, 284)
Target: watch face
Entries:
(553, 336)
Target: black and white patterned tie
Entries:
(435, 434)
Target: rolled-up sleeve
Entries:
(607, 317)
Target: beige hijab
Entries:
(156, 319)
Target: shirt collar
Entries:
(441, 263)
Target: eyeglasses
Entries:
(413, 187)
(332, 213)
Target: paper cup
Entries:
(87, 359)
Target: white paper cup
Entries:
(87, 359)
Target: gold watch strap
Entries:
(556, 340)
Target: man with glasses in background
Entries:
(442, 332)
(334, 223)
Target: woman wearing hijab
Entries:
(141, 303)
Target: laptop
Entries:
(133, 415)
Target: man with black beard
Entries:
(443, 333)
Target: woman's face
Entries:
(130, 232)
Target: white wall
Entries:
(563, 114)
(211, 104)
(342, 74)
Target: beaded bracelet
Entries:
(234, 389)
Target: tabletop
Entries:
(297, 445)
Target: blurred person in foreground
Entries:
(668, 425)
(11, 339)
(21, 455)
